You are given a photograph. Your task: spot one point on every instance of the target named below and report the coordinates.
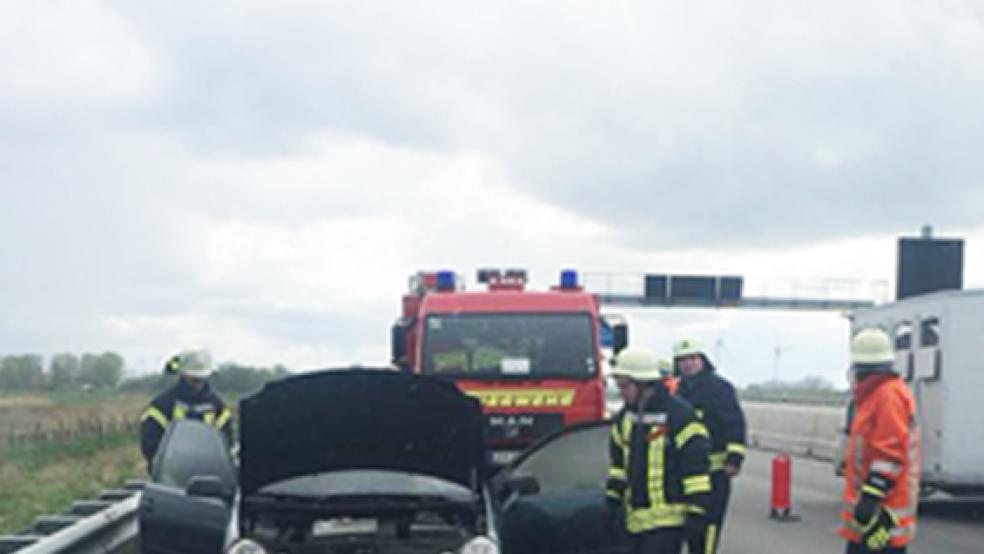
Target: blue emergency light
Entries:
(568, 279)
(445, 281)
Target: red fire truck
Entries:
(533, 359)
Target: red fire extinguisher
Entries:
(780, 505)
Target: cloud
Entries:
(264, 178)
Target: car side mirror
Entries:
(522, 485)
(208, 486)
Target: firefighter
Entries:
(881, 474)
(191, 397)
(716, 403)
(658, 483)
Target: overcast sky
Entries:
(261, 178)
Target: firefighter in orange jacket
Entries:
(881, 474)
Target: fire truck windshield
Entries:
(509, 345)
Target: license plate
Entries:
(503, 457)
(345, 526)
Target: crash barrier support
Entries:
(91, 526)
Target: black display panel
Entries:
(929, 265)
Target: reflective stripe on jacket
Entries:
(182, 402)
(659, 463)
(883, 440)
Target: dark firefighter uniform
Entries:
(716, 403)
(182, 401)
(659, 471)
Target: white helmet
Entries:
(871, 346)
(193, 363)
(687, 347)
(636, 363)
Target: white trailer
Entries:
(939, 351)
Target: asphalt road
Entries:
(945, 527)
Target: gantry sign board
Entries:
(717, 291)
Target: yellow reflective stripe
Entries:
(179, 412)
(656, 467)
(626, 431)
(736, 448)
(613, 494)
(691, 430)
(874, 491)
(617, 436)
(710, 538)
(696, 484)
(671, 515)
(155, 414)
(223, 418)
(717, 460)
(617, 473)
(208, 418)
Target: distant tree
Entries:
(101, 370)
(815, 384)
(20, 373)
(229, 378)
(809, 389)
(233, 377)
(149, 384)
(63, 370)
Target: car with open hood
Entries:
(367, 462)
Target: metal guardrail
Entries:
(99, 526)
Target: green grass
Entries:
(76, 397)
(47, 477)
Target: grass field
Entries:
(61, 447)
(65, 415)
(46, 477)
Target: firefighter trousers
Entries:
(720, 495)
(665, 540)
(853, 548)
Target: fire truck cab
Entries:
(533, 358)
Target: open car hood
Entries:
(359, 419)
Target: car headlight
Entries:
(480, 545)
(246, 546)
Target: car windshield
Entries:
(509, 345)
(574, 461)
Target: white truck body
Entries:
(939, 350)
